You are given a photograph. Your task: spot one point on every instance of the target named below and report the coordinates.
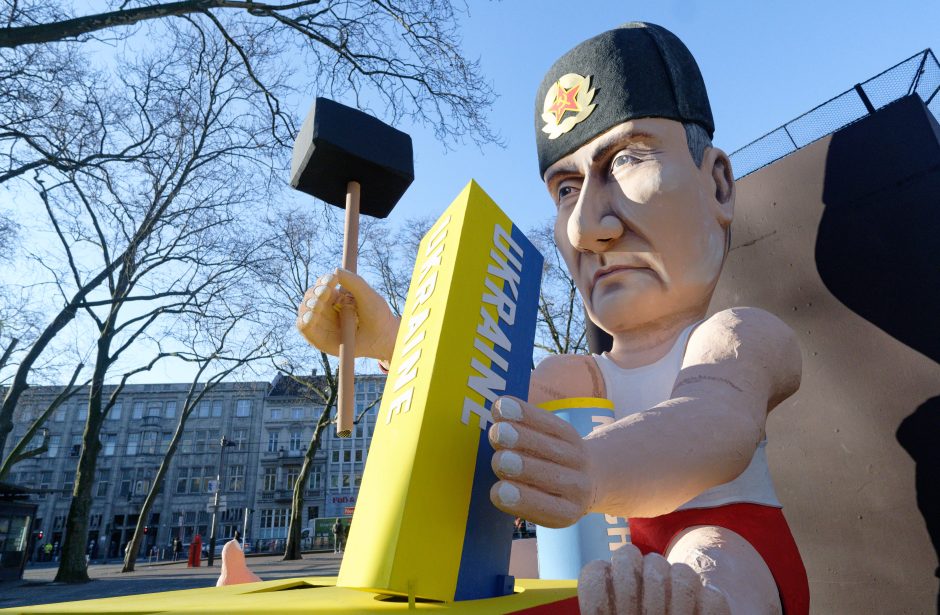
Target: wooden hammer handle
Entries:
(346, 402)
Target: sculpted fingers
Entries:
(526, 441)
(518, 411)
(626, 566)
(656, 585)
(596, 589)
(529, 503)
(684, 589)
(544, 475)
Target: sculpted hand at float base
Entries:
(318, 316)
(542, 464)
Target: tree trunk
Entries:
(73, 568)
(130, 555)
(295, 527)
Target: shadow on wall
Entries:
(878, 252)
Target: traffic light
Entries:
(146, 529)
(39, 535)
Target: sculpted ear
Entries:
(721, 179)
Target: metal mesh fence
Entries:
(918, 74)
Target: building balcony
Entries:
(284, 495)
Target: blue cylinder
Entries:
(563, 551)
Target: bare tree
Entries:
(219, 350)
(22, 450)
(404, 57)
(560, 328)
(176, 216)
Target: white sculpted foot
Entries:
(631, 584)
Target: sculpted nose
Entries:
(593, 226)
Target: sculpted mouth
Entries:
(600, 273)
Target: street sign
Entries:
(213, 485)
(222, 504)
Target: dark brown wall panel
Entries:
(842, 241)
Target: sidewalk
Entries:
(37, 586)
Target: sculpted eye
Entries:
(624, 159)
(566, 191)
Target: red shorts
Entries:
(764, 527)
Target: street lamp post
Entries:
(225, 443)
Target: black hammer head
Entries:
(338, 144)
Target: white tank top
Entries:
(641, 388)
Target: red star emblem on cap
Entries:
(565, 101)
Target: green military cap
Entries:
(634, 71)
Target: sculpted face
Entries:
(642, 229)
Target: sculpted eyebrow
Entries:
(611, 144)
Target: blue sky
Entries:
(764, 63)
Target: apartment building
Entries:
(268, 425)
(290, 415)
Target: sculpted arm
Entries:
(738, 366)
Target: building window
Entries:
(347, 456)
(297, 414)
(68, 482)
(54, 443)
(186, 442)
(82, 412)
(277, 414)
(334, 481)
(115, 413)
(149, 442)
(154, 409)
(209, 477)
(203, 409)
(335, 456)
(138, 412)
(292, 473)
(243, 408)
(359, 430)
(102, 483)
(274, 522)
(75, 445)
(45, 480)
(217, 408)
(108, 443)
(315, 480)
(358, 481)
(272, 441)
(346, 479)
(182, 478)
(270, 479)
(59, 415)
(195, 481)
(236, 478)
(358, 456)
(126, 480)
(169, 410)
(296, 438)
(241, 439)
(200, 442)
(133, 441)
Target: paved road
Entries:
(37, 586)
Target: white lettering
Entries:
(500, 233)
(491, 331)
(471, 406)
(402, 403)
(505, 307)
(504, 272)
(489, 384)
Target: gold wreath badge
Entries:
(571, 93)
